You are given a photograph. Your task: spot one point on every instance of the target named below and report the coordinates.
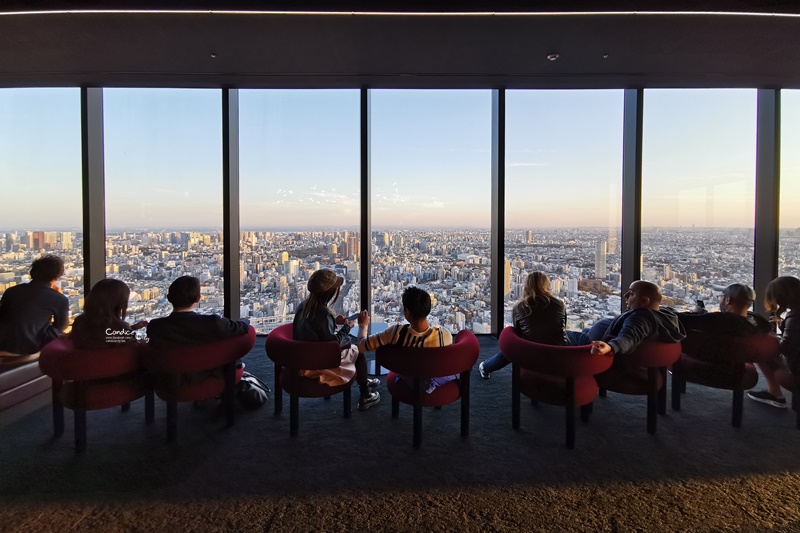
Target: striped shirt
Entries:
(404, 335)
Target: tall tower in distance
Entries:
(600, 252)
(529, 237)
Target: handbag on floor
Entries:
(251, 391)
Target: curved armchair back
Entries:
(727, 349)
(186, 359)
(61, 360)
(301, 355)
(654, 354)
(561, 361)
(431, 362)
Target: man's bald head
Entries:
(643, 295)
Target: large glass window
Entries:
(163, 166)
(300, 198)
(789, 264)
(431, 203)
(698, 192)
(40, 177)
(563, 198)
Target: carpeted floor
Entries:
(697, 474)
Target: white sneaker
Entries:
(484, 373)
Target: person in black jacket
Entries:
(183, 326)
(538, 317)
(645, 320)
(33, 314)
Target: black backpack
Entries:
(251, 391)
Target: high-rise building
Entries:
(66, 240)
(600, 252)
(529, 236)
(507, 279)
(37, 240)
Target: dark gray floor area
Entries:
(697, 474)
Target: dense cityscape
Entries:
(453, 265)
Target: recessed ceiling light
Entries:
(552, 57)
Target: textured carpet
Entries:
(697, 474)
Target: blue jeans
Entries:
(495, 363)
(595, 333)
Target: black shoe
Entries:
(373, 383)
(767, 398)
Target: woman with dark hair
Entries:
(102, 323)
(538, 317)
(782, 301)
(314, 320)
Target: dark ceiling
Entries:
(214, 49)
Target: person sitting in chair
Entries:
(33, 314)
(417, 333)
(732, 320)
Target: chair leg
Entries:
(294, 415)
(347, 400)
(149, 407)
(58, 410)
(602, 393)
(514, 396)
(229, 394)
(80, 430)
(418, 392)
(652, 399)
(586, 410)
(278, 391)
(172, 420)
(465, 403)
(125, 407)
(677, 384)
(395, 408)
(417, 426)
(738, 408)
(796, 406)
(570, 408)
(662, 392)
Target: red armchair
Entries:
(171, 366)
(291, 356)
(643, 372)
(426, 363)
(722, 363)
(556, 375)
(89, 379)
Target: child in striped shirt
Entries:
(417, 333)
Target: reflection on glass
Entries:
(163, 157)
(789, 260)
(431, 191)
(698, 192)
(40, 180)
(300, 207)
(563, 198)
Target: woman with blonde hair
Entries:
(538, 317)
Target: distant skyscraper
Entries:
(284, 257)
(37, 238)
(529, 236)
(66, 240)
(507, 279)
(600, 252)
